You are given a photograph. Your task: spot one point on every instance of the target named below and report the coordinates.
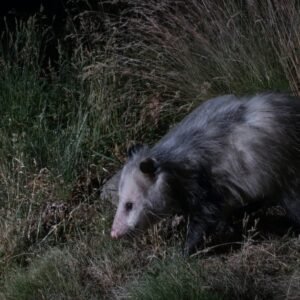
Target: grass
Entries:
(65, 125)
(47, 276)
(174, 279)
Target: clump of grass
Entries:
(90, 268)
(56, 274)
(263, 271)
(172, 279)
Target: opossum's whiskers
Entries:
(156, 216)
(131, 234)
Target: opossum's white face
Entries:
(140, 198)
(132, 207)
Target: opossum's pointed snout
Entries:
(114, 235)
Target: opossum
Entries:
(230, 152)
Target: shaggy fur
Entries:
(227, 154)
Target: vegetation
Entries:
(66, 122)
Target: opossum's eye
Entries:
(128, 206)
(148, 166)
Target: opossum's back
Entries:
(262, 152)
(207, 124)
(252, 144)
(208, 115)
(218, 119)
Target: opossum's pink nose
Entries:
(114, 234)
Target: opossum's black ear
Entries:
(148, 166)
(133, 149)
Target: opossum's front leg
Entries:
(196, 232)
(195, 235)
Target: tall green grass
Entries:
(42, 121)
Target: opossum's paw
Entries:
(291, 204)
(224, 227)
(199, 234)
(190, 249)
(195, 239)
(194, 245)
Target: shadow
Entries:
(254, 227)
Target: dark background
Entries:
(53, 14)
(23, 8)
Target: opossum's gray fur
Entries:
(228, 153)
